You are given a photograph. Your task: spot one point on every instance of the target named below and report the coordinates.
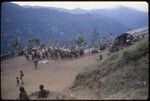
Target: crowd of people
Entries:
(48, 52)
(52, 52)
(36, 54)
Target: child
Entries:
(17, 81)
(21, 77)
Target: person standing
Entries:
(35, 62)
(100, 57)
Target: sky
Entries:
(88, 5)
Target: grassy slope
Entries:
(122, 75)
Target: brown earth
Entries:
(56, 76)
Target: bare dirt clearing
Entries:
(55, 76)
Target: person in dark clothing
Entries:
(100, 57)
(17, 81)
(26, 54)
(21, 77)
(81, 52)
(42, 93)
(23, 94)
(35, 63)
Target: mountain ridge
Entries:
(47, 24)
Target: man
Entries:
(42, 93)
(43, 51)
(100, 57)
(35, 62)
(46, 52)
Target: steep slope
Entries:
(122, 75)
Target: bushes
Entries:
(135, 52)
(121, 71)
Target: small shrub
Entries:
(135, 52)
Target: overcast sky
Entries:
(142, 6)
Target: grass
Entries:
(123, 71)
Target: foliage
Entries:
(34, 42)
(68, 42)
(80, 40)
(95, 36)
(123, 71)
(16, 44)
(135, 52)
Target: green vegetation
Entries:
(80, 40)
(125, 71)
(95, 37)
(16, 45)
(34, 42)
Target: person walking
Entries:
(35, 62)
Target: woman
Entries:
(23, 94)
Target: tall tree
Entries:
(16, 45)
(68, 42)
(95, 37)
(110, 40)
(34, 42)
(80, 40)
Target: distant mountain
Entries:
(78, 11)
(130, 17)
(59, 24)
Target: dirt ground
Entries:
(56, 76)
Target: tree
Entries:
(110, 40)
(34, 42)
(68, 42)
(80, 40)
(95, 37)
(43, 45)
(16, 45)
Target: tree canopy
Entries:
(34, 42)
(79, 40)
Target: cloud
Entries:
(142, 6)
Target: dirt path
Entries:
(56, 76)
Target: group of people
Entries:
(52, 52)
(23, 94)
(47, 52)
(41, 94)
(35, 56)
(32, 53)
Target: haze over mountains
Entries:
(62, 24)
